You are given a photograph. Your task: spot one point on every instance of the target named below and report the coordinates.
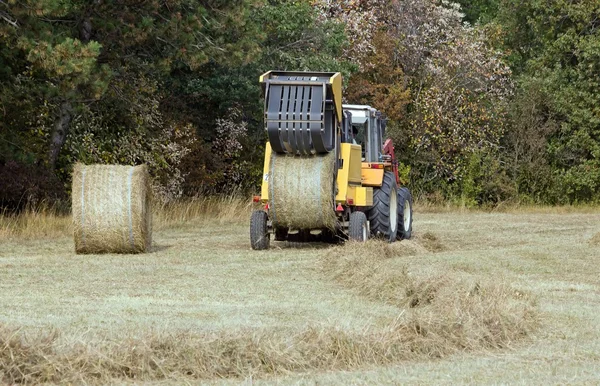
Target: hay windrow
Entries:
(431, 242)
(301, 191)
(50, 358)
(456, 309)
(440, 313)
(112, 210)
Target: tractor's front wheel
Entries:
(358, 229)
(383, 216)
(405, 214)
(259, 232)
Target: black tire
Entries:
(358, 229)
(383, 215)
(259, 233)
(405, 206)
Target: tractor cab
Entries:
(367, 129)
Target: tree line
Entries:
(488, 101)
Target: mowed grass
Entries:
(506, 298)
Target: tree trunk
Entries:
(59, 133)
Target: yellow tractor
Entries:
(328, 172)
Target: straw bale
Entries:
(112, 210)
(301, 191)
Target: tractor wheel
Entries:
(358, 229)
(405, 214)
(383, 216)
(259, 233)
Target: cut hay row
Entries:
(453, 309)
(301, 191)
(234, 354)
(438, 315)
(112, 211)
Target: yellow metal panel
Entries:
(264, 190)
(372, 177)
(349, 172)
(360, 195)
(355, 163)
(364, 196)
(336, 86)
(343, 173)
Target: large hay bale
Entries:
(301, 191)
(112, 210)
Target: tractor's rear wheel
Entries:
(405, 214)
(358, 229)
(383, 216)
(259, 232)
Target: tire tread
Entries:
(379, 214)
(259, 235)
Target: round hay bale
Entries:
(112, 209)
(301, 191)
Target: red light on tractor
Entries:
(256, 199)
(350, 201)
(339, 208)
(267, 206)
(376, 166)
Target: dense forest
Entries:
(488, 101)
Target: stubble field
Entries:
(475, 297)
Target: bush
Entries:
(27, 184)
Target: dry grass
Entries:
(595, 240)
(439, 205)
(220, 210)
(203, 306)
(438, 314)
(449, 309)
(47, 221)
(44, 221)
(240, 354)
(430, 242)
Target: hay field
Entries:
(476, 297)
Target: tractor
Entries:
(309, 130)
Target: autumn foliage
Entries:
(486, 101)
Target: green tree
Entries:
(479, 11)
(102, 70)
(558, 61)
(294, 37)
